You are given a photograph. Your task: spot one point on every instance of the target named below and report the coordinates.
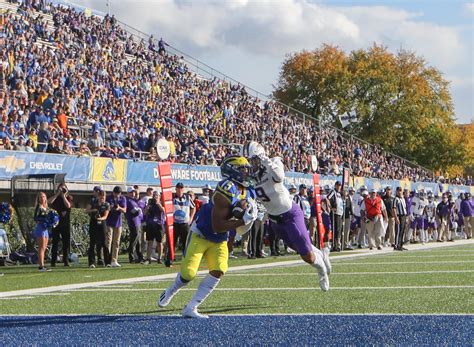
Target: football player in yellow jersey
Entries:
(209, 232)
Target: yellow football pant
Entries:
(216, 255)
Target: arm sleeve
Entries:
(275, 168)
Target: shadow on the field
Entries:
(38, 321)
(210, 310)
(219, 309)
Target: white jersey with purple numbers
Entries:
(430, 210)
(270, 188)
(420, 206)
(358, 201)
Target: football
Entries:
(239, 208)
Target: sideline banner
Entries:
(14, 163)
(120, 171)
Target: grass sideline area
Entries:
(431, 281)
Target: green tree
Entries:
(399, 101)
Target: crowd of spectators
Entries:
(78, 84)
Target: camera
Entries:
(97, 216)
(135, 212)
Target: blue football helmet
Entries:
(237, 169)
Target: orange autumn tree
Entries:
(398, 101)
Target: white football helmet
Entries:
(252, 149)
(254, 152)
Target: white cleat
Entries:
(323, 277)
(192, 313)
(326, 260)
(165, 298)
(324, 282)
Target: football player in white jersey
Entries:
(359, 222)
(430, 217)
(286, 216)
(418, 225)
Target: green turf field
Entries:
(425, 281)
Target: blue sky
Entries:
(248, 39)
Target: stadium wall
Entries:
(85, 172)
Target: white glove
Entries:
(251, 213)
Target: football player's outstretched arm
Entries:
(275, 168)
(220, 215)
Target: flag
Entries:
(347, 119)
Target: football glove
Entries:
(251, 212)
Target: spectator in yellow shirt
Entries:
(33, 136)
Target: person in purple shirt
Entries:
(155, 220)
(118, 205)
(467, 210)
(134, 216)
(445, 212)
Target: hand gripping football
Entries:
(238, 210)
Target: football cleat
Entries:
(324, 282)
(165, 298)
(326, 260)
(193, 313)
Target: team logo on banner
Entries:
(108, 170)
(12, 164)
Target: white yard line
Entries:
(275, 288)
(439, 256)
(349, 273)
(68, 287)
(440, 262)
(46, 315)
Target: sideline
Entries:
(367, 253)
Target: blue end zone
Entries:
(238, 330)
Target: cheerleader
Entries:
(41, 233)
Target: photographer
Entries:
(118, 205)
(98, 210)
(155, 220)
(134, 218)
(143, 203)
(61, 201)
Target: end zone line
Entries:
(67, 287)
(351, 273)
(131, 315)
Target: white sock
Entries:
(207, 285)
(318, 259)
(178, 284)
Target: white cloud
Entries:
(469, 7)
(274, 28)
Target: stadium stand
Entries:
(81, 84)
